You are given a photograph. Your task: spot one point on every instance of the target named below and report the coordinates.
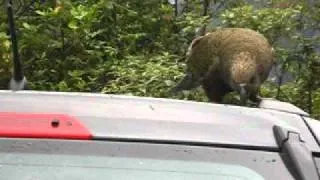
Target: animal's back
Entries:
(224, 43)
(211, 57)
(238, 40)
(233, 41)
(240, 51)
(202, 55)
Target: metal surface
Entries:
(141, 118)
(314, 127)
(297, 157)
(281, 106)
(34, 125)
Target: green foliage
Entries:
(136, 47)
(300, 60)
(144, 76)
(271, 22)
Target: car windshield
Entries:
(48, 166)
(94, 160)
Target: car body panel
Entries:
(268, 103)
(158, 119)
(314, 127)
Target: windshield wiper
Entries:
(18, 80)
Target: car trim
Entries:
(40, 125)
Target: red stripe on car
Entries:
(38, 125)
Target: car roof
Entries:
(133, 118)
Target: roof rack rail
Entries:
(295, 154)
(274, 104)
(18, 80)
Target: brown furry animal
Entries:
(229, 59)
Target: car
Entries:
(91, 136)
(60, 135)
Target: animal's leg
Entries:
(254, 97)
(214, 87)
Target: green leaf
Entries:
(73, 25)
(41, 12)
(26, 25)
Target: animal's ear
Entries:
(195, 42)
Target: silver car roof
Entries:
(148, 119)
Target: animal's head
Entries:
(245, 75)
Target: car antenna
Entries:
(18, 80)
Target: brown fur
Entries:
(228, 57)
